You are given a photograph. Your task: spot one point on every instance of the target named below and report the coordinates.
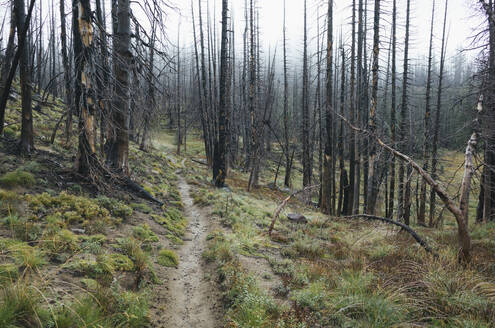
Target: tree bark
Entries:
(219, 162)
(327, 158)
(26, 144)
(118, 155)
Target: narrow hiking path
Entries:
(193, 298)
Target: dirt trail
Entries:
(192, 300)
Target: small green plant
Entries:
(116, 207)
(27, 257)
(19, 306)
(144, 234)
(17, 178)
(141, 207)
(168, 258)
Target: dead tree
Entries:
(306, 161)
(427, 132)
(374, 185)
(118, 152)
(26, 144)
(219, 162)
(6, 66)
(84, 95)
(287, 182)
(327, 158)
(393, 116)
(404, 181)
(436, 128)
(462, 230)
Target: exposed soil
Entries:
(189, 296)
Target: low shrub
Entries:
(168, 258)
(17, 178)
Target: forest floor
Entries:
(72, 255)
(192, 298)
(333, 272)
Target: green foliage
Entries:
(27, 257)
(142, 267)
(168, 258)
(17, 178)
(144, 234)
(19, 306)
(141, 207)
(61, 241)
(72, 209)
(22, 228)
(32, 166)
(313, 297)
(8, 273)
(116, 207)
(174, 222)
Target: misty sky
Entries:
(462, 20)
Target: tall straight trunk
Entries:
(436, 127)
(427, 132)
(360, 90)
(487, 192)
(286, 108)
(373, 185)
(201, 89)
(305, 108)
(345, 187)
(67, 73)
(393, 115)
(21, 52)
(118, 155)
(219, 162)
(327, 161)
(83, 92)
(150, 98)
(27, 135)
(404, 185)
(253, 102)
(352, 115)
(39, 58)
(208, 136)
(178, 93)
(7, 63)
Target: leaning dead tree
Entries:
(458, 212)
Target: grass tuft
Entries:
(168, 258)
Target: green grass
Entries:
(17, 178)
(168, 258)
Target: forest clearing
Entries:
(180, 164)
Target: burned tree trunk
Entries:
(306, 161)
(374, 184)
(436, 128)
(6, 65)
(118, 152)
(404, 181)
(426, 144)
(393, 116)
(327, 158)
(83, 92)
(27, 134)
(67, 74)
(219, 162)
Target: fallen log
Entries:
(404, 227)
(134, 186)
